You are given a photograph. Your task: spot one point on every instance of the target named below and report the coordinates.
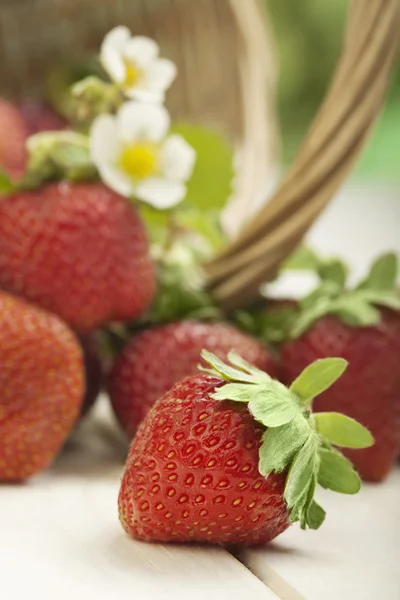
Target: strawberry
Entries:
(362, 326)
(40, 117)
(233, 456)
(78, 250)
(13, 135)
(158, 357)
(41, 387)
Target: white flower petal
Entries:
(177, 159)
(116, 38)
(111, 52)
(114, 66)
(159, 76)
(160, 193)
(104, 143)
(145, 96)
(141, 50)
(116, 180)
(136, 120)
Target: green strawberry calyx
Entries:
(357, 307)
(295, 441)
(56, 155)
(53, 156)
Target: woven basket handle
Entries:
(335, 140)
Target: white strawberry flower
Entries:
(136, 158)
(134, 64)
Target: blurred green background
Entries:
(308, 35)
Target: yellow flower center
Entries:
(132, 74)
(139, 160)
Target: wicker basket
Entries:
(227, 79)
(328, 153)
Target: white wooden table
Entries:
(355, 556)
(60, 537)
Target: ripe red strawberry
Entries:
(40, 117)
(155, 359)
(13, 135)
(368, 392)
(206, 468)
(41, 387)
(357, 326)
(79, 250)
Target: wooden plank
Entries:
(354, 556)
(60, 536)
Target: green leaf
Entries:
(237, 361)
(355, 311)
(211, 183)
(388, 298)
(301, 473)
(272, 325)
(354, 308)
(321, 295)
(335, 271)
(222, 369)
(174, 302)
(71, 156)
(302, 259)
(238, 392)
(280, 444)
(315, 515)
(342, 430)
(273, 405)
(336, 473)
(298, 511)
(309, 314)
(156, 222)
(383, 273)
(6, 185)
(276, 323)
(205, 223)
(305, 504)
(73, 161)
(318, 377)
